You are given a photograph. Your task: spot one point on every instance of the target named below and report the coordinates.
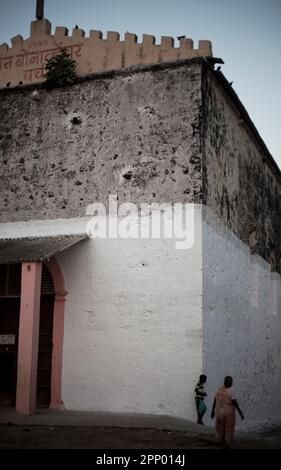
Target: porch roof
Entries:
(18, 250)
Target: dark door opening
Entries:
(7, 383)
(9, 324)
(10, 280)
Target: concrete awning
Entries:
(18, 250)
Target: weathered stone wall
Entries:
(136, 134)
(240, 183)
(131, 134)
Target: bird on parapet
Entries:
(180, 37)
(76, 27)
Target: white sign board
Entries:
(7, 339)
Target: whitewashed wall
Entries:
(133, 325)
(242, 324)
(135, 338)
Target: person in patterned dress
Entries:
(223, 409)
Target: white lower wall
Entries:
(133, 325)
(242, 324)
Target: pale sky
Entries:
(246, 34)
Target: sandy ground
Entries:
(14, 436)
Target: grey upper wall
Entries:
(241, 181)
(135, 134)
(141, 134)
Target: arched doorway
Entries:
(10, 292)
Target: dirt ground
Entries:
(78, 437)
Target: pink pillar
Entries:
(58, 333)
(28, 337)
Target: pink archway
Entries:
(58, 333)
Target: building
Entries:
(128, 324)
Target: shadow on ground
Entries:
(13, 436)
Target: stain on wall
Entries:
(239, 181)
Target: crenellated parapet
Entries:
(24, 62)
